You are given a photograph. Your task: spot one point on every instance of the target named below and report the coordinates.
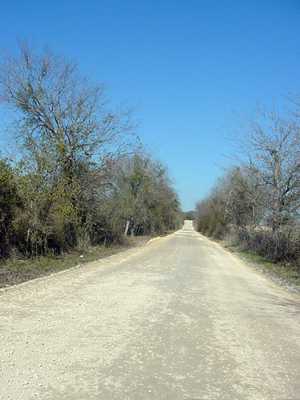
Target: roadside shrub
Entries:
(9, 201)
(278, 247)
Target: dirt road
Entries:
(178, 319)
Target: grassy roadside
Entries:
(14, 271)
(287, 275)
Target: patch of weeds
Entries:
(14, 270)
(287, 274)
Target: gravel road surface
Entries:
(178, 319)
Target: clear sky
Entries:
(190, 68)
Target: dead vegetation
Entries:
(255, 205)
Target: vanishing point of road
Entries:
(178, 319)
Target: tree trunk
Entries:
(126, 227)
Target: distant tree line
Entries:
(256, 203)
(189, 215)
(78, 178)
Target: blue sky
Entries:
(193, 70)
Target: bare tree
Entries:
(65, 128)
(274, 153)
(60, 113)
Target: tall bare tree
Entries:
(274, 152)
(65, 129)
